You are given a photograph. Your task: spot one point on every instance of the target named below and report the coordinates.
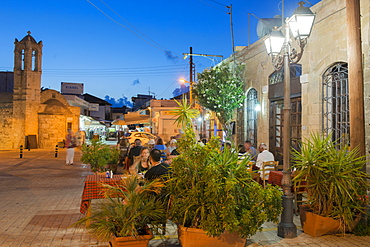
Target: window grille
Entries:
(335, 103)
(251, 116)
(278, 76)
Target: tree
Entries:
(221, 90)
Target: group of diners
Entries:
(152, 161)
(247, 150)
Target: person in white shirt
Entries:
(264, 156)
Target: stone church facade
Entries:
(28, 113)
(319, 83)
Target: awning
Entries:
(136, 118)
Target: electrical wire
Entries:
(135, 27)
(128, 68)
(219, 3)
(174, 81)
(137, 35)
(213, 6)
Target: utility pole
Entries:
(232, 29)
(355, 77)
(191, 75)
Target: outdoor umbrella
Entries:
(119, 122)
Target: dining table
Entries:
(94, 189)
(275, 177)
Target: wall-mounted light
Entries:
(257, 107)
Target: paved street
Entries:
(40, 199)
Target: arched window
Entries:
(22, 59)
(251, 116)
(34, 60)
(335, 104)
(278, 76)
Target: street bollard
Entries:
(21, 152)
(56, 151)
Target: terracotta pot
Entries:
(138, 241)
(192, 237)
(316, 225)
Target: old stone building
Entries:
(29, 115)
(319, 83)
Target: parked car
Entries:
(143, 136)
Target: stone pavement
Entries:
(40, 199)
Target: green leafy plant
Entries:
(362, 228)
(128, 209)
(212, 190)
(221, 89)
(336, 182)
(185, 113)
(98, 155)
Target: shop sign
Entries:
(168, 113)
(93, 107)
(72, 88)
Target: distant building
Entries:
(140, 101)
(6, 82)
(30, 116)
(119, 112)
(99, 108)
(157, 117)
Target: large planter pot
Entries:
(138, 241)
(316, 225)
(192, 237)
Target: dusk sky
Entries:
(118, 47)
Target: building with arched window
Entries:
(319, 83)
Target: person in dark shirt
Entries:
(158, 169)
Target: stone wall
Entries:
(326, 46)
(6, 125)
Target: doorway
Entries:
(276, 126)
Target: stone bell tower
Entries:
(27, 83)
(27, 69)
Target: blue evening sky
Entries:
(91, 46)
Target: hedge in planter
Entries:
(213, 191)
(336, 182)
(99, 155)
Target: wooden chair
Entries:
(268, 166)
(300, 194)
(250, 165)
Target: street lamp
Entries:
(300, 24)
(190, 89)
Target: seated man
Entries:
(158, 169)
(250, 150)
(264, 156)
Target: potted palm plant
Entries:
(123, 217)
(335, 182)
(99, 155)
(214, 200)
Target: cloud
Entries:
(169, 55)
(119, 102)
(180, 90)
(135, 82)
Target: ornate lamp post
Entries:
(283, 54)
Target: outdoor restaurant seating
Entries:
(268, 166)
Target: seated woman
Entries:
(142, 164)
(160, 146)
